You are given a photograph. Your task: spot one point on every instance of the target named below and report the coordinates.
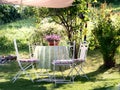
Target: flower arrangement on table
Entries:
(53, 39)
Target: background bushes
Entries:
(8, 14)
(7, 45)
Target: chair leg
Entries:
(16, 76)
(35, 71)
(49, 76)
(63, 80)
(28, 75)
(71, 73)
(73, 67)
(81, 70)
(54, 77)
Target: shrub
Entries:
(107, 33)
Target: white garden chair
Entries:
(75, 64)
(63, 62)
(80, 61)
(24, 64)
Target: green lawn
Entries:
(99, 79)
(19, 29)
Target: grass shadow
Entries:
(105, 88)
(22, 84)
(9, 67)
(91, 75)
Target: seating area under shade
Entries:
(51, 59)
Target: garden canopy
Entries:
(40, 3)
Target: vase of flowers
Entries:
(53, 39)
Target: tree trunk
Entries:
(109, 63)
(76, 51)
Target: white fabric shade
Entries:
(40, 3)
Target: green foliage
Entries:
(20, 30)
(68, 17)
(73, 19)
(107, 33)
(45, 28)
(27, 12)
(110, 1)
(8, 14)
(5, 44)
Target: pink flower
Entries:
(52, 37)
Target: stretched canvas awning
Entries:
(40, 3)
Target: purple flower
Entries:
(52, 37)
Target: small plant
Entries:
(53, 37)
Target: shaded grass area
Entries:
(99, 78)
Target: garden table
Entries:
(46, 54)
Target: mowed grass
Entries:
(99, 78)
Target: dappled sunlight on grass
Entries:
(98, 79)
